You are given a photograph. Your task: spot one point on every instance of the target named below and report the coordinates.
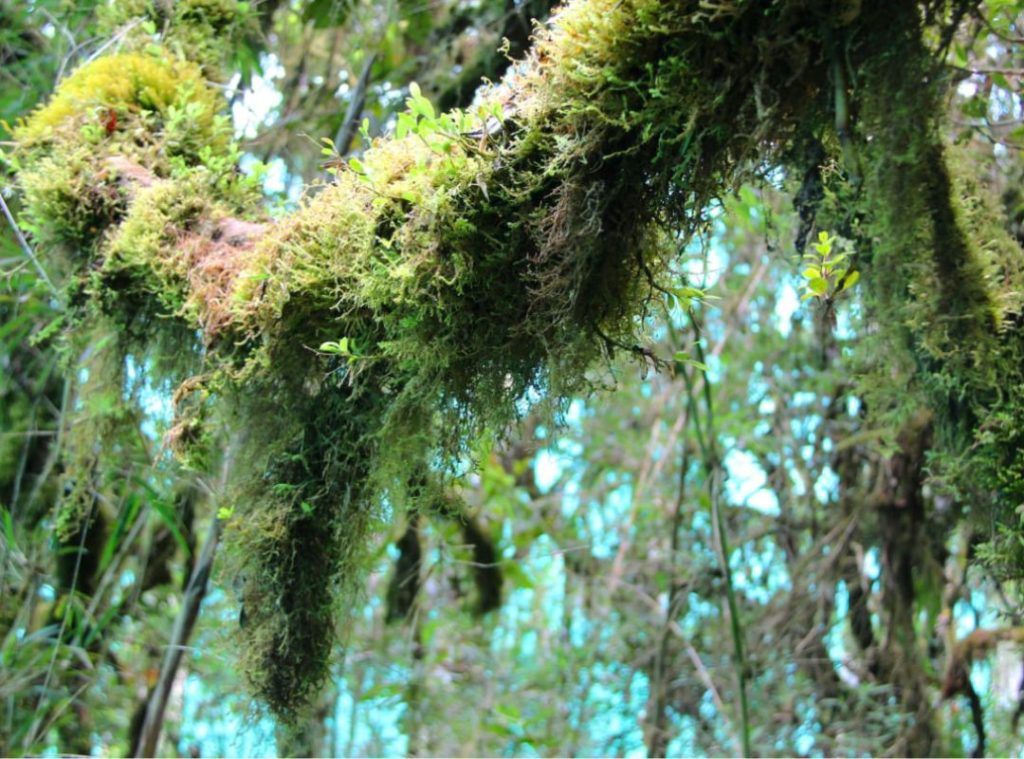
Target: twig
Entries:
(703, 674)
(658, 741)
(28, 248)
(713, 469)
(347, 131)
(114, 40)
(149, 736)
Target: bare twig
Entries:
(149, 736)
(28, 248)
(347, 131)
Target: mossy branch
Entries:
(469, 262)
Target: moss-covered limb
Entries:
(467, 263)
(946, 280)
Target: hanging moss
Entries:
(94, 454)
(476, 261)
(946, 283)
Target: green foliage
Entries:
(827, 273)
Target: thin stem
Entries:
(713, 469)
(347, 130)
(28, 248)
(183, 625)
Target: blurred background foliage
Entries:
(722, 553)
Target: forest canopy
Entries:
(652, 364)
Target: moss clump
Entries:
(180, 247)
(115, 123)
(200, 31)
(67, 205)
(114, 86)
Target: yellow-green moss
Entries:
(119, 82)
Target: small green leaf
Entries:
(225, 512)
(8, 529)
(402, 127)
(688, 293)
(851, 279)
(818, 286)
(684, 358)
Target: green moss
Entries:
(67, 205)
(476, 262)
(152, 248)
(200, 31)
(119, 83)
(115, 123)
(946, 280)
